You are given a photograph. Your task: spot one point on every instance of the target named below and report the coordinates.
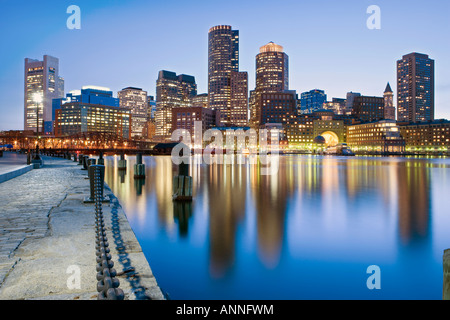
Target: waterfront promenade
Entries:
(47, 238)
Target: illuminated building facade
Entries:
(87, 94)
(172, 91)
(380, 136)
(300, 131)
(239, 98)
(79, 117)
(337, 105)
(223, 58)
(41, 77)
(135, 100)
(184, 118)
(200, 100)
(278, 107)
(304, 128)
(433, 136)
(272, 75)
(368, 109)
(415, 88)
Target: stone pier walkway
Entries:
(47, 238)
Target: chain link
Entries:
(108, 284)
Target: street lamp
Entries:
(37, 98)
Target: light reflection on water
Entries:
(309, 232)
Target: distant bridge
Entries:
(85, 142)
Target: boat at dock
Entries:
(340, 149)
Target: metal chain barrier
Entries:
(108, 284)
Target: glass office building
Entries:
(312, 101)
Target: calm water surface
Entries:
(309, 232)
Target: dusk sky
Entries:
(126, 43)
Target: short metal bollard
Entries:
(75, 157)
(108, 284)
(85, 163)
(90, 162)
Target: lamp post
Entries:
(37, 98)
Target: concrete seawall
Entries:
(15, 173)
(47, 240)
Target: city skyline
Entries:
(330, 58)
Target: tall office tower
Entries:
(172, 91)
(223, 58)
(415, 88)
(135, 100)
(389, 109)
(41, 77)
(239, 99)
(272, 69)
(272, 75)
(349, 101)
(312, 101)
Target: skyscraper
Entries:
(239, 98)
(135, 100)
(223, 58)
(272, 75)
(415, 88)
(172, 91)
(272, 69)
(389, 109)
(41, 77)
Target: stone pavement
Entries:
(47, 238)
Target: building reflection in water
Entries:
(270, 194)
(414, 201)
(182, 211)
(226, 188)
(311, 202)
(131, 192)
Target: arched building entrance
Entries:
(331, 138)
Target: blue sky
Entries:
(125, 43)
